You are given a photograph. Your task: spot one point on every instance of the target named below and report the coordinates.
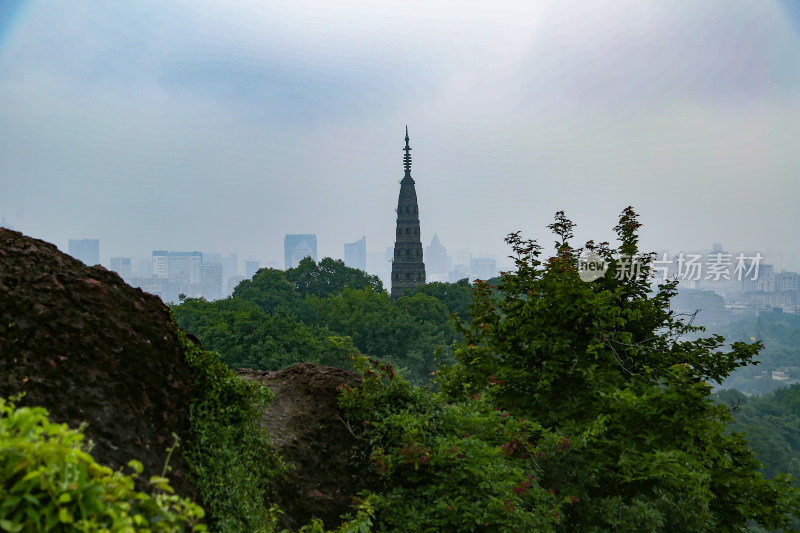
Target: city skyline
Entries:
(205, 125)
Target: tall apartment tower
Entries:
(408, 270)
(355, 254)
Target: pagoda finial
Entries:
(407, 157)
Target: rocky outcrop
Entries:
(92, 350)
(309, 431)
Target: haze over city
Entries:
(223, 126)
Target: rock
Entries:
(309, 431)
(91, 349)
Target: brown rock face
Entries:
(308, 429)
(80, 342)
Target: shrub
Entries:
(232, 461)
(447, 466)
(49, 482)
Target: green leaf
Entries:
(7, 525)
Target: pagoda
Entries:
(408, 270)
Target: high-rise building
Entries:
(86, 250)
(298, 247)
(154, 285)
(188, 263)
(408, 268)
(183, 271)
(212, 281)
(484, 268)
(760, 279)
(436, 258)
(355, 254)
(230, 266)
(787, 281)
(251, 266)
(160, 265)
(122, 266)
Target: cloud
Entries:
(237, 122)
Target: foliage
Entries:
(49, 482)
(361, 523)
(606, 365)
(329, 277)
(232, 461)
(246, 336)
(456, 296)
(323, 313)
(406, 333)
(448, 466)
(780, 335)
(269, 289)
(771, 424)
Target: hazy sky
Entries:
(223, 125)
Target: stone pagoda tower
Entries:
(408, 270)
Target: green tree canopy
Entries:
(456, 296)
(247, 336)
(269, 289)
(606, 365)
(328, 277)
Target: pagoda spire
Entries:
(408, 268)
(407, 157)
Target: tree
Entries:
(246, 336)
(381, 329)
(772, 426)
(456, 296)
(328, 277)
(606, 365)
(269, 289)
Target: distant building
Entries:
(183, 272)
(761, 279)
(160, 265)
(483, 268)
(212, 281)
(233, 281)
(436, 259)
(355, 254)
(122, 266)
(230, 266)
(86, 250)
(408, 268)
(189, 263)
(251, 266)
(297, 247)
(459, 272)
(709, 305)
(153, 285)
(787, 281)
